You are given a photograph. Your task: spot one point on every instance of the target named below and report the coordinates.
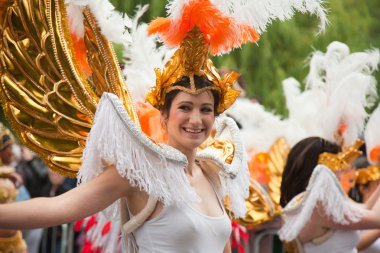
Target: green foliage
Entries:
(284, 48)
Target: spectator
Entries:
(32, 237)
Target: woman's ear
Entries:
(164, 119)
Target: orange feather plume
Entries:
(220, 31)
(374, 155)
(80, 51)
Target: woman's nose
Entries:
(195, 117)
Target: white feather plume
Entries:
(339, 87)
(260, 128)
(174, 8)
(113, 24)
(141, 57)
(260, 13)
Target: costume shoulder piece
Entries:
(323, 189)
(226, 151)
(115, 139)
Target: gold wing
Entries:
(277, 155)
(259, 205)
(46, 94)
(263, 204)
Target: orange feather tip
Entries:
(374, 155)
(222, 32)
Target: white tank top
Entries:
(341, 241)
(184, 229)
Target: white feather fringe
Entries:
(324, 189)
(115, 138)
(113, 24)
(234, 177)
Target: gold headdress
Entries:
(189, 60)
(342, 160)
(6, 137)
(369, 174)
(200, 29)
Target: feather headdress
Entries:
(200, 27)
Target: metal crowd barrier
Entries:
(264, 241)
(61, 239)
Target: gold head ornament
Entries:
(369, 174)
(190, 59)
(342, 160)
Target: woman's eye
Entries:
(207, 109)
(184, 107)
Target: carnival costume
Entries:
(65, 95)
(339, 87)
(371, 173)
(331, 75)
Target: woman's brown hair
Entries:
(301, 161)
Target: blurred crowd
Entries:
(23, 175)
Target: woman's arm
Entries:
(373, 198)
(370, 220)
(73, 205)
(367, 238)
(227, 248)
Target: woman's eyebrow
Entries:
(185, 102)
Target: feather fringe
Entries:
(324, 188)
(114, 138)
(234, 177)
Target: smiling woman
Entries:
(173, 192)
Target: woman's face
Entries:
(346, 177)
(190, 120)
(7, 156)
